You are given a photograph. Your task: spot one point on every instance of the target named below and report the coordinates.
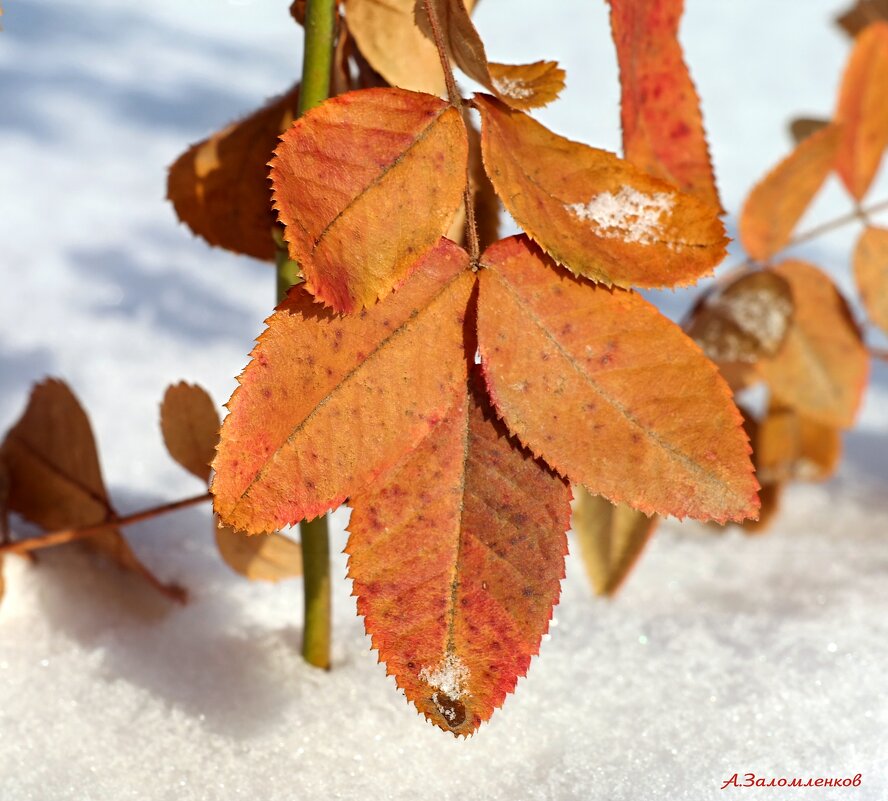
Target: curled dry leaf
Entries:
(327, 403)
(521, 86)
(219, 187)
(593, 212)
(802, 127)
(609, 392)
(861, 14)
(777, 202)
(862, 110)
(55, 479)
(612, 538)
(822, 367)
(789, 446)
(262, 557)
(745, 321)
(365, 184)
(388, 37)
(458, 614)
(662, 125)
(871, 272)
(190, 425)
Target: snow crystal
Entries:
(450, 676)
(512, 87)
(629, 215)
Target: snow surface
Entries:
(724, 654)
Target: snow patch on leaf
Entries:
(629, 215)
(450, 676)
(512, 87)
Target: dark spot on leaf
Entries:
(452, 710)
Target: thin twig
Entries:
(457, 102)
(860, 213)
(65, 535)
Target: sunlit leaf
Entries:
(612, 538)
(862, 109)
(219, 187)
(328, 403)
(593, 212)
(365, 184)
(662, 124)
(822, 367)
(54, 476)
(777, 202)
(609, 392)
(871, 272)
(456, 557)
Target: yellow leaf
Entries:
(871, 272)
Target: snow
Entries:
(724, 653)
(629, 215)
(512, 87)
(450, 677)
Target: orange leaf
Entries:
(593, 212)
(328, 403)
(219, 187)
(662, 124)
(744, 321)
(521, 86)
(456, 557)
(822, 367)
(612, 538)
(777, 202)
(863, 110)
(55, 479)
(608, 391)
(387, 34)
(871, 272)
(264, 557)
(190, 425)
(790, 446)
(366, 184)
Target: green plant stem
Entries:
(320, 30)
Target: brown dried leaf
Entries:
(521, 86)
(612, 538)
(802, 127)
(862, 110)
(457, 597)
(744, 321)
(608, 391)
(328, 403)
(777, 202)
(297, 10)
(871, 272)
(219, 187)
(387, 34)
(822, 368)
(55, 479)
(365, 184)
(190, 425)
(662, 125)
(262, 557)
(593, 212)
(861, 14)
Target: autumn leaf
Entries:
(789, 446)
(777, 202)
(612, 538)
(388, 37)
(263, 557)
(871, 273)
(593, 212)
(328, 403)
(610, 393)
(862, 109)
(662, 124)
(55, 479)
(190, 425)
(365, 184)
(456, 556)
(802, 127)
(745, 320)
(822, 367)
(521, 86)
(861, 14)
(219, 187)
